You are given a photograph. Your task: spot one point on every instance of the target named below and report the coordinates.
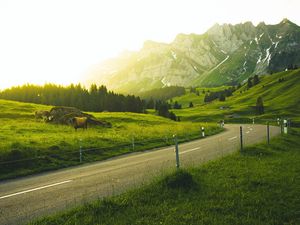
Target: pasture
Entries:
(32, 145)
(281, 99)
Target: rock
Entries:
(63, 115)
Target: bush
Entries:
(179, 180)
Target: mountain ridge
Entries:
(224, 55)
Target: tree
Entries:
(259, 105)
(255, 80)
(172, 116)
(249, 84)
(150, 104)
(176, 105)
(206, 98)
(191, 105)
(222, 97)
(163, 110)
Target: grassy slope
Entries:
(185, 100)
(280, 99)
(259, 186)
(58, 145)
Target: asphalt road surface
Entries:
(24, 199)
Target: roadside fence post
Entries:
(80, 152)
(203, 131)
(268, 133)
(133, 143)
(241, 137)
(285, 126)
(176, 150)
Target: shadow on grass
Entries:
(257, 151)
(180, 180)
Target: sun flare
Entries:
(59, 41)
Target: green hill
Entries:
(280, 94)
(32, 145)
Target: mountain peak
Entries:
(261, 24)
(285, 20)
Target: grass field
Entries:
(261, 185)
(281, 99)
(49, 146)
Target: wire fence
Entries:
(11, 164)
(136, 174)
(20, 162)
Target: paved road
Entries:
(23, 199)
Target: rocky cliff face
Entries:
(224, 55)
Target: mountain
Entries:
(224, 55)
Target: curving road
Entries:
(24, 199)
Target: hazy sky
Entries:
(59, 40)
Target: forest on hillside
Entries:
(163, 93)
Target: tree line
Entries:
(221, 95)
(163, 93)
(95, 99)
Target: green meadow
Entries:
(281, 99)
(31, 145)
(261, 185)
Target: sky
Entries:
(58, 41)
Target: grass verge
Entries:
(259, 186)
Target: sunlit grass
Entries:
(23, 137)
(281, 99)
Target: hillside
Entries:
(281, 99)
(224, 55)
(185, 100)
(28, 145)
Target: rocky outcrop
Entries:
(64, 115)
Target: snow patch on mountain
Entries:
(227, 57)
(214, 43)
(174, 55)
(261, 36)
(165, 82)
(244, 66)
(268, 56)
(259, 59)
